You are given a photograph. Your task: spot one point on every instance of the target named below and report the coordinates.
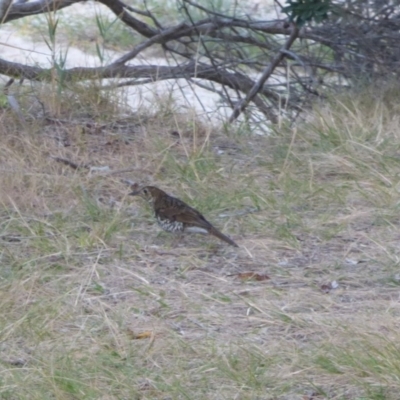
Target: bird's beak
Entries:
(134, 193)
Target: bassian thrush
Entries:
(173, 215)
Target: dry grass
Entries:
(85, 271)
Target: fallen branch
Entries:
(70, 163)
(233, 80)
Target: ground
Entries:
(97, 302)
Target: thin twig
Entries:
(266, 74)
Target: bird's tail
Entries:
(220, 235)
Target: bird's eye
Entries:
(145, 191)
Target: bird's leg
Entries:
(177, 239)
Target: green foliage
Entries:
(302, 11)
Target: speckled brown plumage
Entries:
(174, 215)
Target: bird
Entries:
(174, 215)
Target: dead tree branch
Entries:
(248, 59)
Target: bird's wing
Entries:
(186, 215)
